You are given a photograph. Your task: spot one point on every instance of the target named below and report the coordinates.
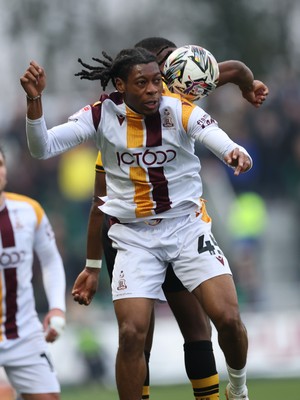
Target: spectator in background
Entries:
(246, 222)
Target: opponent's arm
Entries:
(86, 283)
(238, 73)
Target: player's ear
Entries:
(120, 85)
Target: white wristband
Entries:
(93, 263)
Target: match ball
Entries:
(191, 71)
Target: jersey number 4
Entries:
(208, 245)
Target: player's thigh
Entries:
(171, 282)
(190, 316)
(219, 298)
(134, 315)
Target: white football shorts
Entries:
(29, 367)
(145, 250)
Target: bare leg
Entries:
(198, 350)
(219, 300)
(147, 352)
(133, 317)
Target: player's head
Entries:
(3, 171)
(134, 73)
(159, 46)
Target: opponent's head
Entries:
(159, 46)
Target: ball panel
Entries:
(191, 71)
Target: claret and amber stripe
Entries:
(151, 186)
(10, 279)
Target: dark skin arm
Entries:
(238, 73)
(86, 284)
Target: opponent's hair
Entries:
(157, 45)
(120, 67)
(154, 44)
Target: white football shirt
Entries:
(25, 230)
(151, 167)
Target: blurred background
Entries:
(255, 216)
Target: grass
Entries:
(263, 389)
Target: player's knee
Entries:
(131, 339)
(230, 323)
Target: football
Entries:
(191, 71)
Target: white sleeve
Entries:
(203, 128)
(44, 143)
(51, 263)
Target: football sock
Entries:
(146, 387)
(201, 369)
(237, 379)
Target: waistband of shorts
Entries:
(149, 222)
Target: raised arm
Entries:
(238, 73)
(33, 82)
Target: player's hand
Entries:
(257, 94)
(54, 324)
(34, 79)
(86, 285)
(240, 161)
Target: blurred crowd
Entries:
(271, 134)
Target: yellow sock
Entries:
(146, 393)
(206, 388)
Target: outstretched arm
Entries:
(86, 284)
(238, 73)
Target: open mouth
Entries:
(151, 105)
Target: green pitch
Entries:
(271, 389)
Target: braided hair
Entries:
(120, 67)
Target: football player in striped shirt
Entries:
(24, 231)
(194, 325)
(147, 139)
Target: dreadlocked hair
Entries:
(99, 72)
(118, 68)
